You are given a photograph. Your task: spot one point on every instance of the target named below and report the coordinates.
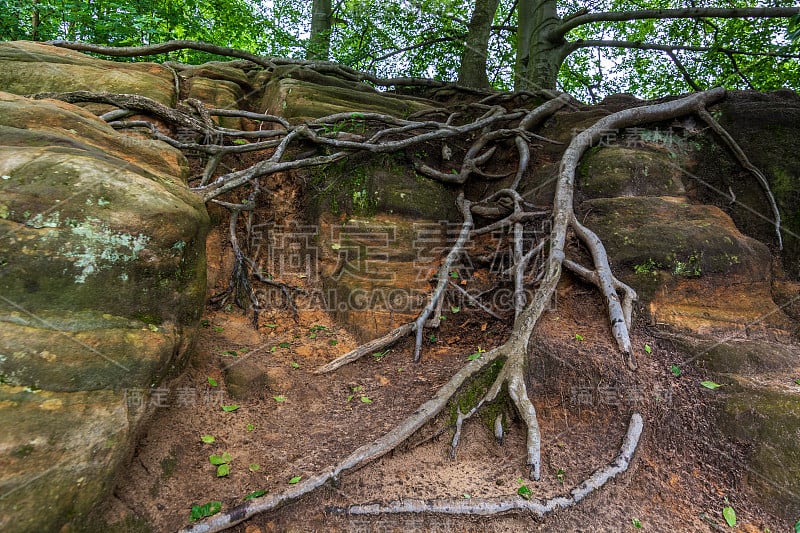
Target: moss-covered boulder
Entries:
(102, 283)
(28, 68)
(767, 420)
(628, 171)
(689, 263)
(767, 127)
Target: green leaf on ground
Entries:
(710, 385)
(636, 523)
(223, 470)
(205, 510)
(730, 516)
(279, 398)
(255, 494)
(365, 399)
(284, 345)
(212, 381)
(293, 364)
(647, 348)
(208, 439)
(525, 492)
(578, 337)
(229, 408)
(255, 467)
(220, 459)
(676, 370)
(295, 480)
(250, 427)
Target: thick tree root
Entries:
(490, 506)
(361, 456)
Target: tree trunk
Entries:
(472, 72)
(538, 58)
(320, 42)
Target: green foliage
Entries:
(425, 38)
(205, 510)
(710, 385)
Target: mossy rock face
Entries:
(767, 127)
(56, 451)
(768, 421)
(622, 171)
(372, 213)
(386, 184)
(690, 265)
(29, 68)
(102, 276)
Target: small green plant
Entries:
(279, 398)
(676, 370)
(271, 325)
(560, 475)
(212, 381)
(284, 345)
(710, 385)
(432, 338)
(380, 355)
(797, 382)
(333, 342)
(208, 439)
(648, 349)
(579, 337)
(525, 492)
(219, 329)
(454, 274)
(254, 467)
(455, 309)
(636, 523)
(365, 399)
(205, 510)
(294, 365)
(230, 408)
(690, 269)
(250, 427)
(646, 268)
(295, 480)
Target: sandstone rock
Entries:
(28, 68)
(299, 100)
(102, 282)
(689, 263)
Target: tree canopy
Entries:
(647, 48)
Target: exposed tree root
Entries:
(480, 131)
(490, 506)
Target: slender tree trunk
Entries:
(472, 72)
(538, 58)
(35, 22)
(319, 44)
